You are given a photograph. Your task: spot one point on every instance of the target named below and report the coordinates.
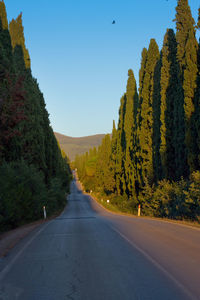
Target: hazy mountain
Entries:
(78, 145)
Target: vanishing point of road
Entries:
(89, 253)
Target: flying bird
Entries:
(113, 22)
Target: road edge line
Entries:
(158, 266)
(174, 222)
(9, 266)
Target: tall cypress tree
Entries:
(17, 37)
(156, 122)
(196, 120)
(121, 146)
(172, 150)
(187, 58)
(146, 127)
(140, 101)
(105, 174)
(130, 133)
(114, 152)
(198, 22)
(3, 15)
(12, 96)
(141, 83)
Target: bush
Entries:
(22, 194)
(56, 199)
(193, 196)
(175, 200)
(123, 203)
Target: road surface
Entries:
(89, 253)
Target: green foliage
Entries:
(130, 133)
(187, 57)
(198, 23)
(172, 148)
(3, 15)
(156, 145)
(105, 174)
(22, 194)
(87, 168)
(193, 196)
(56, 198)
(156, 111)
(120, 149)
(17, 37)
(123, 203)
(33, 169)
(79, 145)
(145, 132)
(175, 200)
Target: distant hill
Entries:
(73, 145)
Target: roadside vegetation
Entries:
(153, 156)
(34, 172)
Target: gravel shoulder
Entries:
(9, 239)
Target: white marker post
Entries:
(139, 210)
(45, 214)
(108, 201)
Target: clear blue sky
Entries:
(81, 60)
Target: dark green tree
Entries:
(17, 37)
(130, 133)
(145, 132)
(140, 101)
(187, 57)
(105, 173)
(3, 15)
(156, 122)
(114, 152)
(196, 117)
(121, 146)
(172, 149)
(27, 141)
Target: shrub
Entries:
(22, 194)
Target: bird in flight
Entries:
(113, 22)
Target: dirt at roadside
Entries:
(10, 238)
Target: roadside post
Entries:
(139, 210)
(45, 214)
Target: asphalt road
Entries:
(90, 254)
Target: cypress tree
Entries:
(187, 58)
(120, 152)
(114, 152)
(196, 119)
(3, 15)
(156, 122)
(141, 86)
(172, 149)
(12, 96)
(105, 174)
(142, 70)
(198, 22)
(146, 127)
(130, 133)
(17, 37)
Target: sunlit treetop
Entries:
(3, 15)
(198, 23)
(17, 37)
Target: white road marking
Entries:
(162, 269)
(9, 266)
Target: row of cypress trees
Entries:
(158, 133)
(30, 156)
